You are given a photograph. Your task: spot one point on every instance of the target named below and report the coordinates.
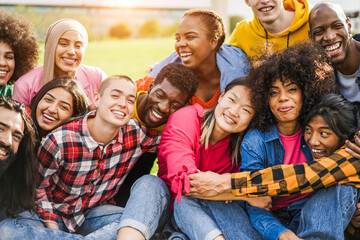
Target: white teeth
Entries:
(266, 9)
(230, 120)
(119, 113)
(156, 114)
(49, 117)
(332, 47)
(185, 54)
(317, 150)
(3, 72)
(3, 152)
(69, 60)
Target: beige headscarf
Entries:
(53, 34)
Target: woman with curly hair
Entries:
(65, 44)
(18, 50)
(285, 87)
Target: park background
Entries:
(128, 36)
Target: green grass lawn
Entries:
(129, 57)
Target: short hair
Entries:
(214, 24)
(209, 123)
(181, 77)
(104, 84)
(81, 104)
(17, 189)
(18, 33)
(333, 5)
(304, 64)
(338, 113)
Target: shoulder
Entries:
(173, 57)
(91, 70)
(189, 112)
(29, 78)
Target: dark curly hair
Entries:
(180, 77)
(214, 24)
(304, 64)
(19, 34)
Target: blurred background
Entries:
(128, 36)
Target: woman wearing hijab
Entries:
(65, 45)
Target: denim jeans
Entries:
(147, 208)
(324, 216)
(194, 218)
(233, 220)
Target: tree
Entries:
(120, 30)
(150, 28)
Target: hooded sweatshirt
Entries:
(254, 40)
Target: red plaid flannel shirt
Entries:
(76, 173)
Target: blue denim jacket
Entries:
(261, 150)
(231, 61)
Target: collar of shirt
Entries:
(86, 138)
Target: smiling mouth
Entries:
(318, 153)
(333, 49)
(69, 60)
(285, 109)
(48, 118)
(266, 9)
(3, 152)
(119, 114)
(229, 119)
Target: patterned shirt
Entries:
(76, 173)
(284, 180)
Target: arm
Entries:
(282, 180)
(178, 147)
(48, 165)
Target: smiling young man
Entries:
(83, 164)
(171, 90)
(17, 160)
(276, 25)
(330, 27)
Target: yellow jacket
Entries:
(254, 40)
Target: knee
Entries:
(151, 184)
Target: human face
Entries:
(285, 101)
(11, 132)
(162, 101)
(267, 11)
(69, 54)
(7, 63)
(234, 111)
(193, 44)
(54, 108)
(332, 31)
(321, 140)
(115, 105)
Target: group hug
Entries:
(257, 138)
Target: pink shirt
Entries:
(28, 85)
(181, 154)
(293, 155)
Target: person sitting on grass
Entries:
(81, 167)
(171, 90)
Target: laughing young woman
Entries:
(199, 46)
(58, 102)
(65, 45)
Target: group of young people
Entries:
(273, 113)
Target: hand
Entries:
(209, 184)
(355, 220)
(149, 70)
(289, 235)
(261, 202)
(51, 225)
(354, 148)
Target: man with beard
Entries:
(17, 160)
(330, 27)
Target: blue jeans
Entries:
(233, 220)
(194, 218)
(324, 216)
(147, 208)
